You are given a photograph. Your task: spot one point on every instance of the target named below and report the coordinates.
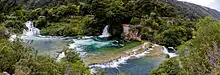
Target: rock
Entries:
(4, 73)
(133, 33)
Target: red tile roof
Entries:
(125, 25)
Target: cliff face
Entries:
(133, 33)
(190, 10)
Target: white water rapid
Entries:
(121, 60)
(105, 32)
(33, 37)
(170, 54)
(31, 31)
(79, 45)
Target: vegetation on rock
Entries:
(197, 56)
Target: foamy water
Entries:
(31, 31)
(105, 32)
(170, 54)
(32, 37)
(122, 60)
(86, 41)
(12, 37)
(79, 44)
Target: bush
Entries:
(21, 15)
(18, 59)
(3, 32)
(168, 67)
(11, 53)
(15, 26)
(167, 56)
(67, 27)
(172, 37)
(135, 21)
(41, 23)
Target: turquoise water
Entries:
(50, 45)
(46, 45)
(91, 45)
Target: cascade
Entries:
(31, 31)
(105, 32)
(32, 36)
(121, 60)
(116, 63)
(170, 54)
(80, 45)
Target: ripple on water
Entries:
(141, 66)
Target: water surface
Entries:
(141, 66)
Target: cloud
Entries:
(214, 4)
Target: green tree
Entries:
(200, 55)
(34, 14)
(173, 36)
(109, 12)
(11, 53)
(14, 26)
(168, 67)
(21, 14)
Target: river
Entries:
(50, 45)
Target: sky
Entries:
(214, 4)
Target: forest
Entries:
(195, 37)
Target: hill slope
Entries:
(188, 10)
(193, 10)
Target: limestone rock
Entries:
(133, 33)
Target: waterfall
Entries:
(31, 31)
(105, 32)
(79, 45)
(170, 54)
(123, 60)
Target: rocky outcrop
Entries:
(133, 34)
